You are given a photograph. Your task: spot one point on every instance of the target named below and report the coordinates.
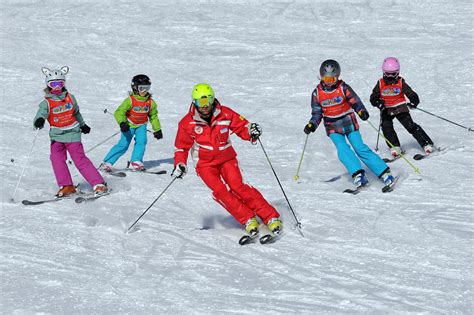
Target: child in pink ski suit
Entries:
(62, 112)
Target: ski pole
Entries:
(416, 169)
(24, 166)
(107, 112)
(378, 133)
(102, 142)
(98, 144)
(131, 226)
(468, 129)
(301, 159)
(298, 224)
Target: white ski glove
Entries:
(179, 170)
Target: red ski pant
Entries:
(241, 200)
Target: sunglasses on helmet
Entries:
(58, 84)
(143, 88)
(204, 101)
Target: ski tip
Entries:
(244, 240)
(80, 199)
(333, 179)
(247, 239)
(116, 173)
(387, 189)
(352, 191)
(418, 157)
(268, 239)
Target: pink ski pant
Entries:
(81, 161)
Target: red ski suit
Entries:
(216, 161)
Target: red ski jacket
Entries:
(209, 143)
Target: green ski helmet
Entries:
(203, 95)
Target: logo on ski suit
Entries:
(61, 112)
(138, 114)
(392, 94)
(198, 130)
(334, 103)
(390, 91)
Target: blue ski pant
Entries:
(122, 146)
(362, 151)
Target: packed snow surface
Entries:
(406, 251)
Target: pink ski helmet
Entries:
(391, 64)
(391, 67)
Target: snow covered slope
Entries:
(407, 251)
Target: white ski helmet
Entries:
(55, 75)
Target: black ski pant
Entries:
(405, 119)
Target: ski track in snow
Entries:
(405, 251)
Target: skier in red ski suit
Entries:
(205, 130)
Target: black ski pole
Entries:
(378, 133)
(468, 129)
(131, 226)
(298, 223)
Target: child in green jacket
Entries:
(132, 117)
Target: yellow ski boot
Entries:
(251, 226)
(275, 226)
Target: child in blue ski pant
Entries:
(334, 102)
(133, 116)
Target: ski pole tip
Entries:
(296, 177)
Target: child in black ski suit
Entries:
(389, 95)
